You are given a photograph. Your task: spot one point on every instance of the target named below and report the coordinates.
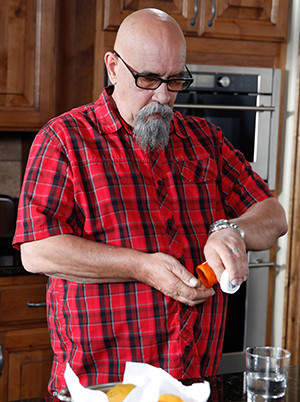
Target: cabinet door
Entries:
(238, 19)
(26, 63)
(182, 10)
(264, 20)
(29, 373)
(27, 361)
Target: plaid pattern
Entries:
(86, 176)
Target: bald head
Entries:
(149, 43)
(147, 30)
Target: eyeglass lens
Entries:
(176, 84)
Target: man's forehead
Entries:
(157, 64)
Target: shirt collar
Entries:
(110, 121)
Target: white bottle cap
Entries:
(226, 285)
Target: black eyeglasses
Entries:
(152, 82)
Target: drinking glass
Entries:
(266, 371)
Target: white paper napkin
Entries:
(78, 392)
(150, 383)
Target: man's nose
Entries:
(162, 94)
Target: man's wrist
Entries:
(225, 224)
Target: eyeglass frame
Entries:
(136, 76)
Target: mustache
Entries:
(156, 108)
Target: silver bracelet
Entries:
(225, 224)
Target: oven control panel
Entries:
(241, 83)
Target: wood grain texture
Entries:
(27, 63)
(24, 337)
(291, 334)
(263, 20)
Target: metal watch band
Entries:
(225, 224)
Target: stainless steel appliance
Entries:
(244, 102)
(246, 323)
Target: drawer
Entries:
(15, 303)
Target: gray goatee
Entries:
(150, 132)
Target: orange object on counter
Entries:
(206, 275)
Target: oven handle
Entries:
(226, 107)
(261, 264)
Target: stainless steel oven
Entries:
(244, 102)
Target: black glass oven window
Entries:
(237, 125)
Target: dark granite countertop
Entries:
(13, 271)
(230, 388)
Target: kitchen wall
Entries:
(10, 163)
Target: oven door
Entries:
(244, 119)
(246, 323)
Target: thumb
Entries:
(191, 281)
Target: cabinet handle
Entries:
(30, 304)
(213, 13)
(192, 22)
(1, 359)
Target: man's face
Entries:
(138, 106)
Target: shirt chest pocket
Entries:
(198, 190)
(198, 171)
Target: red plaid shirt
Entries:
(87, 176)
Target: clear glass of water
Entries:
(266, 371)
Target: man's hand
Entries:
(167, 275)
(226, 249)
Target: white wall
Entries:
(285, 179)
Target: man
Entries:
(116, 207)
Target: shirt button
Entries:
(187, 348)
(169, 221)
(159, 182)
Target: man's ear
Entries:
(110, 61)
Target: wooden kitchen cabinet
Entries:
(263, 20)
(183, 11)
(26, 350)
(29, 359)
(27, 63)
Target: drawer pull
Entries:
(31, 304)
